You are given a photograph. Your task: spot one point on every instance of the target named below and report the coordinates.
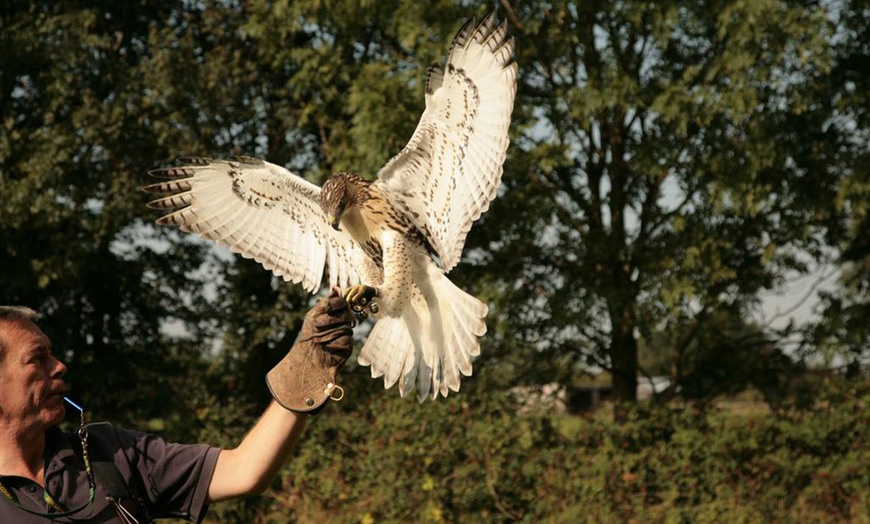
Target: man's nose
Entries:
(58, 369)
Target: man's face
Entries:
(31, 378)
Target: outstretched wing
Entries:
(446, 176)
(261, 211)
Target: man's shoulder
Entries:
(102, 438)
(107, 431)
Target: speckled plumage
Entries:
(400, 234)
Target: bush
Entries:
(471, 460)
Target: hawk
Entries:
(389, 242)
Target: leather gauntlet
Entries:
(304, 380)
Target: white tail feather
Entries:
(448, 322)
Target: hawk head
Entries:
(339, 193)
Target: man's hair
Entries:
(16, 314)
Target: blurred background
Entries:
(676, 264)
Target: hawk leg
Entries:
(361, 300)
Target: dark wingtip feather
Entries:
(434, 77)
(167, 187)
(172, 172)
(194, 160)
(244, 159)
(462, 35)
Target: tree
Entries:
(93, 96)
(723, 356)
(670, 161)
(842, 334)
(75, 138)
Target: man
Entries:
(107, 474)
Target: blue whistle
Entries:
(73, 404)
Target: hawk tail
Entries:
(455, 322)
(433, 344)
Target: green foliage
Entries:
(75, 138)
(462, 461)
(95, 95)
(720, 355)
(843, 333)
(670, 160)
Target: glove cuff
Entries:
(300, 384)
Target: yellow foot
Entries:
(361, 300)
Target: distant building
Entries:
(647, 387)
(588, 397)
(583, 397)
(548, 397)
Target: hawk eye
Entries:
(343, 202)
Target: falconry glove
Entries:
(304, 380)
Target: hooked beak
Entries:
(333, 221)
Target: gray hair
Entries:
(16, 314)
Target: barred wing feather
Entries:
(260, 211)
(449, 172)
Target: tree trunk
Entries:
(623, 358)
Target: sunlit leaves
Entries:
(682, 151)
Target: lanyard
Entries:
(60, 511)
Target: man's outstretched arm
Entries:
(249, 468)
(302, 382)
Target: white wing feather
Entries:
(261, 211)
(449, 172)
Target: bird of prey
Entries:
(389, 242)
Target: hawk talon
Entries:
(360, 298)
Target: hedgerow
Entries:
(456, 461)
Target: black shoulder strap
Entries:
(123, 496)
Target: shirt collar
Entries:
(56, 453)
(57, 450)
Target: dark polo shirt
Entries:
(172, 479)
